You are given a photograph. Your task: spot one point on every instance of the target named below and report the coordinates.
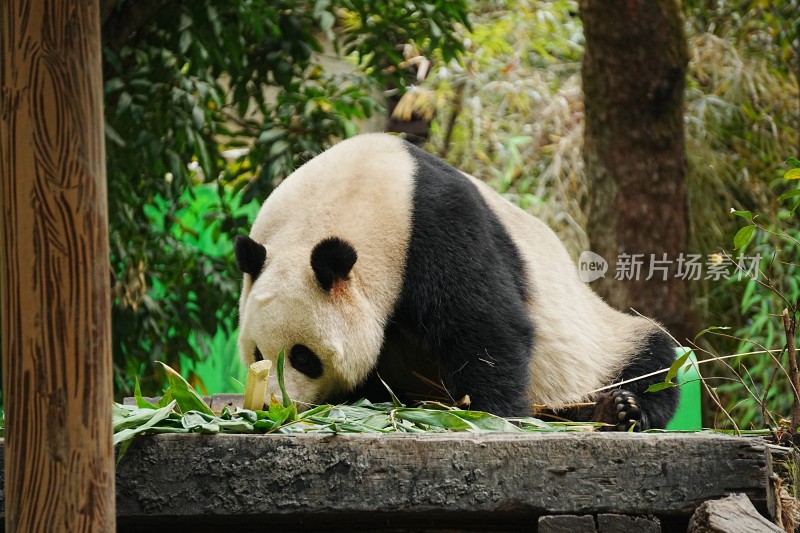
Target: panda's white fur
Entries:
(359, 189)
(581, 342)
(362, 190)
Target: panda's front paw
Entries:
(620, 408)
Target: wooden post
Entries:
(56, 338)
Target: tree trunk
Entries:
(634, 72)
(59, 463)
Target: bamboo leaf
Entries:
(661, 385)
(395, 400)
(485, 421)
(709, 330)
(148, 418)
(184, 394)
(743, 236)
(137, 395)
(676, 366)
(789, 194)
(435, 418)
(196, 423)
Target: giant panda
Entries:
(375, 260)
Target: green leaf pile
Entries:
(182, 410)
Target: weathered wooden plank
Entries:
(456, 479)
(734, 514)
(604, 523)
(618, 523)
(566, 524)
(532, 474)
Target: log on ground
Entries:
(734, 514)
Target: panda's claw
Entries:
(620, 409)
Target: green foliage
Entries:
(181, 392)
(233, 95)
(681, 363)
(511, 112)
(376, 31)
(765, 295)
(177, 284)
(178, 412)
(766, 26)
(743, 107)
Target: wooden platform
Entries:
(431, 482)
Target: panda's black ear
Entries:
(332, 259)
(250, 256)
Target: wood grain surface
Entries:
(191, 478)
(55, 280)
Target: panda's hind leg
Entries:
(630, 407)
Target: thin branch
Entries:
(764, 410)
(752, 277)
(776, 359)
(665, 370)
(779, 235)
(451, 123)
(790, 328)
(712, 393)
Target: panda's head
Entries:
(307, 301)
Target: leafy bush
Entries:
(766, 294)
(511, 112)
(232, 94)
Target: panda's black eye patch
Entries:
(305, 361)
(257, 355)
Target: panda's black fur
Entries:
(463, 308)
(454, 233)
